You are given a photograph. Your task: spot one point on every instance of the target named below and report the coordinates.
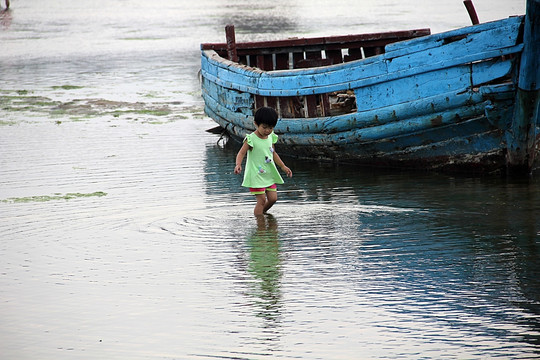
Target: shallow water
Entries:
(126, 235)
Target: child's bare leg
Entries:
(271, 198)
(259, 207)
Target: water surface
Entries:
(126, 235)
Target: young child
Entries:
(261, 175)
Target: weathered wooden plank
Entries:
(313, 47)
(313, 55)
(297, 57)
(397, 128)
(282, 61)
(424, 43)
(490, 70)
(474, 43)
(259, 62)
(285, 107)
(271, 102)
(384, 132)
(291, 83)
(327, 40)
(464, 118)
(243, 60)
(314, 80)
(216, 66)
(325, 105)
(314, 62)
(231, 43)
(430, 137)
(399, 146)
(297, 108)
(430, 84)
(265, 62)
(412, 88)
(358, 45)
(335, 55)
(227, 75)
(479, 152)
(259, 101)
(420, 123)
(381, 117)
(311, 106)
(523, 133)
(455, 143)
(227, 84)
(243, 120)
(354, 54)
(373, 51)
(438, 104)
(529, 74)
(233, 100)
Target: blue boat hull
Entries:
(445, 101)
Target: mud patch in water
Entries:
(67, 87)
(19, 101)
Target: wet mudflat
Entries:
(126, 235)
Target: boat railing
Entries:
(297, 53)
(301, 53)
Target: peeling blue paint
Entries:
(438, 101)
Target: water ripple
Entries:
(171, 263)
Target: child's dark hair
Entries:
(267, 116)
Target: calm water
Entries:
(124, 233)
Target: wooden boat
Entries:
(465, 100)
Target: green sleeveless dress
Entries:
(260, 169)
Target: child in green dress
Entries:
(261, 175)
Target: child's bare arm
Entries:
(240, 157)
(281, 164)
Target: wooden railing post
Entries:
(231, 43)
(472, 12)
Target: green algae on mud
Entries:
(7, 123)
(67, 87)
(151, 112)
(25, 103)
(57, 196)
(79, 109)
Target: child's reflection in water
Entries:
(265, 266)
